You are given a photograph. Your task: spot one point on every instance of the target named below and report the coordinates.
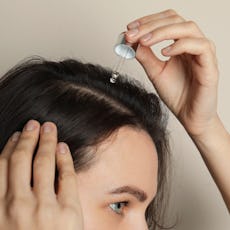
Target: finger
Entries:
(167, 32)
(172, 32)
(4, 156)
(67, 183)
(152, 65)
(44, 162)
(21, 159)
(201, 47)
(148, 18)
(145, 30)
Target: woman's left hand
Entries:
(187, 82)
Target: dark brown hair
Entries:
(86, 108)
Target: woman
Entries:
(115, 133)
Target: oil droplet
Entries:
(114, 77)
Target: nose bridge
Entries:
(138, 223)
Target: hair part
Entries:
(87, 109)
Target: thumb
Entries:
(152, 65)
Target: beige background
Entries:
(87, 30)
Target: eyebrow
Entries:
(139, 194)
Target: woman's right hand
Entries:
(188, 81)
(38, 207)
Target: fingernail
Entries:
(133, 25)
(47, 128)
(16, 136)
(62, 148)
(132, 33)
(30, 125)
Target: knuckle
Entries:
(18, 157)
(44, 150)
(67, 175)
(177, 18)
(27, 136)
(25, 140)
(170, 12)
(192, 24)
(47, 141)
(45, 210)
(145, 27)
(41, 159)
(144, 19)
(18, 207)
(207, 44)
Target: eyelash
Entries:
(123, 202)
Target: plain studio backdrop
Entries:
(87, 30)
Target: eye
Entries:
(117, 207)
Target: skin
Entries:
(187, 83)
(128, 159)
(23, 207)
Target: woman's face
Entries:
(115, 192)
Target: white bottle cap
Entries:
(125, 49)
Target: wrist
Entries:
(214, 146)
(213, 131)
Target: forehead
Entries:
(128, 157)
(127, 145)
